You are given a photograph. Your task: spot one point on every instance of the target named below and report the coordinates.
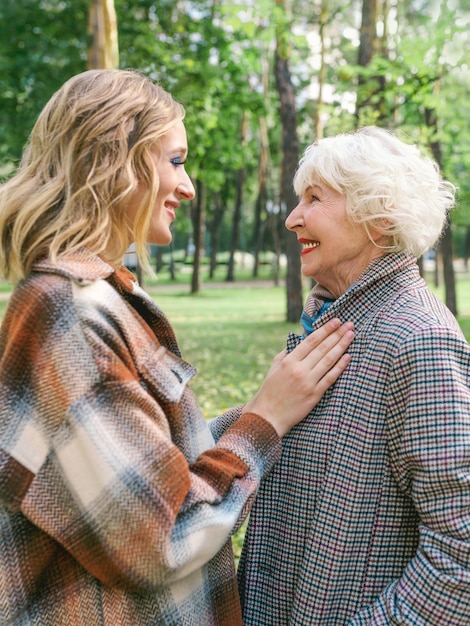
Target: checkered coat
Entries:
(366, 518)
(115, 506)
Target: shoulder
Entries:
(57, 295)
(411, 323)
(83, 279)
(416, 310)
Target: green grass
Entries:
(465, 326)
(462, 289)
(183, 275)
(231, 335)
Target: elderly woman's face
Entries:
(335, 251)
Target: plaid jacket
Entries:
(115, 506)
(366, 518)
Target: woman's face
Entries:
(175, 184)
(335, 252)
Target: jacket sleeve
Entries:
(219, 424)
(90, 453)
(429, 442)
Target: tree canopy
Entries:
(393, 63)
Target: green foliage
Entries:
(216, 58)
(42, 43)
(211, 57)
(211, 78)
(232, 334)
(421, 72)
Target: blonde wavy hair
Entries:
(86, 155)
(389, 185)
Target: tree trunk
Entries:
(158, 259)
(368, 37)
(199, 219)
(262, 194)
(215, 232)
(103, 52)
(236, 222)
(290, 157)
(237, 213)
(367, 50)
(325, 8)
(276, 266)
(445, 244)
(466, 252)
(172, 268)
(382, 106)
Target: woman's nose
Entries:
(186, 189)
(295, 219)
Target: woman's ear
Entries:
(379, 231)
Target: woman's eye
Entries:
(177, 161)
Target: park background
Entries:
(259, 80)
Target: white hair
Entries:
(388, 185)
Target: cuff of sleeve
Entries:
(221, 423)
(254, 440)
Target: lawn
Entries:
(232, 334)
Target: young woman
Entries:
(116, 507)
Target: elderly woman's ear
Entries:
(380, 232)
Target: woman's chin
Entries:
(162, 239)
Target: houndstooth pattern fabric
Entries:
(366, 518)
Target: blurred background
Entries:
(259, 80)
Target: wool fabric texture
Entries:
(365, 520)
(115, 504)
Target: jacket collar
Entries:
(82, 266)
(399, 271)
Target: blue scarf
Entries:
(308, 322)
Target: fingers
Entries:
(297, 381)
(330, 350)
(323, 340)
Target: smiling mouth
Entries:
(171, 209)
(310, 245)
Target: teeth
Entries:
(313, 244)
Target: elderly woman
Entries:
(366, 518)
